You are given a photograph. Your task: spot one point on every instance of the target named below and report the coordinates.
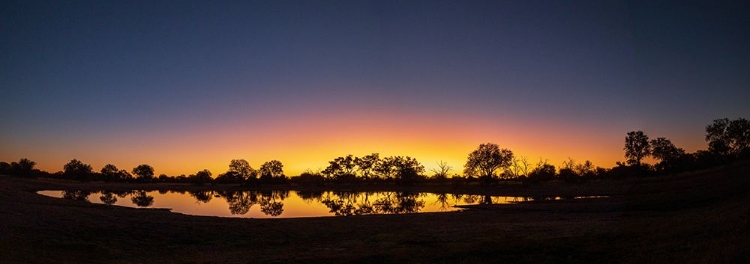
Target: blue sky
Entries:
(90, 79)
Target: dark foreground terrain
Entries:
(691, 218)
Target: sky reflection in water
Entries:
(286, 204)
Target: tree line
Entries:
(728, 141)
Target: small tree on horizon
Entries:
(242, 169)
(202, 177)
(273, 169)
(636, 147)
(486, 159)
(144, 172)
(24, 167)
(75, 169)
(441, 172)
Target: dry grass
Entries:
(696, 218)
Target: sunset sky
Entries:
(188, 85)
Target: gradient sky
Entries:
(188, 85)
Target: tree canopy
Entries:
(144, 172)
(636, 147)
(486, 159)
(728, 137)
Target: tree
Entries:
(519, 167)
(441, 173)
(543, 172)
(202, 177)
(111, 172)
(636, 147)
(341, 168)
(272, 169)
(663, 149)
(5, 168)
(242, 169)
(728, 137)
(668, 154)
(385, 167)
(408, 169)
(144, 172)
(24, 167)
(585, 169)
(75, 169)
(366, 164)
(486, 159)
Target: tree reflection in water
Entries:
(271, 202)
(239, 202)
(142, 199)
(345, 203)
(108, 198)
(442, 199)
(339, 203)
(76, 195)
(202, 196)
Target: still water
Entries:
(286, 204)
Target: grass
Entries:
(691, 218)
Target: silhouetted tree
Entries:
(486, 159)
(309, 178)
(585, 170)
(164, 178)
(726, 137)
(271, 170)
(441, 172)
(542, 172)
(366, 164)
(341, 169)
(75, 169)
(408, 169)
(5, 168)
(202, 177)
(110, 172)
(519, 167)
(24, 168)
(668, 154)
(242, 169)
(125, 175)
(144, 172)
(636, 147)
(385, 168)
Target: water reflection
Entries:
(108, 198)
(293, 204)
(76, 195)
(142, 199)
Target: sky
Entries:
(190, 85)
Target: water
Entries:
(287, 204)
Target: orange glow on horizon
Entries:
(309, 141)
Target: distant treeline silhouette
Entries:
(728, 141)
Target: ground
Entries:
(699, 217)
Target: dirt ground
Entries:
(700, 217)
